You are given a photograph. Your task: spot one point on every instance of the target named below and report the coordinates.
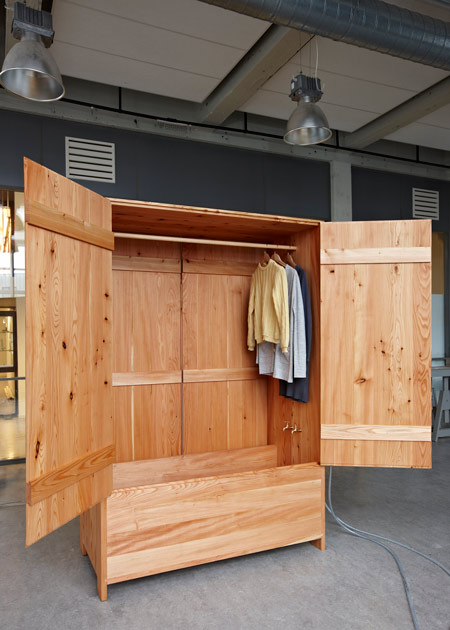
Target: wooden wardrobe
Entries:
(145, 410)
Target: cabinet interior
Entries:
(184, 382)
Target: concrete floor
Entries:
(353, 585)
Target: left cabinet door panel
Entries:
(70, 437)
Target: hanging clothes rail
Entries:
(201, 241)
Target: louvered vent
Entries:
(90, 159)
(425, 204)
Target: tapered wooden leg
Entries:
(319, 543)
(93, 543)
(82, 527)
(102, 588)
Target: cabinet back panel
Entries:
(226, 407)
(157, 421)
(147, 349)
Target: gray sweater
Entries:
(291, 364)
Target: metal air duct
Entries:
(371, 24)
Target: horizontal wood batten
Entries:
(225, 267)
(225, 374)
(385, 432)
(43, 216)
(120, 379)
(67, 475)
(138, 263)
(375, 255)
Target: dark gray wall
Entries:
(154, 168)
(380, 195)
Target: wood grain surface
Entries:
(68, 349)
(222, 415)
(157, 421)
(375, 255)
(139, 263)
(220, 374)
(123, 423)
(149, 472)
(377, 234)
(375, 432)
(69, 474)
(48, 218)
(93, 542)
(305, 446)
(375, 373)
(121, 379)
(147, 356)
(183, 523)
(168, 219)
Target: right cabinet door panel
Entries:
(376, 344)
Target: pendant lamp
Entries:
(29, 69)
(307, 123)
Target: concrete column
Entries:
(341, 190)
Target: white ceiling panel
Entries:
(189, 17)
(184, 48)
(439, 118)
(343, 90)
(423, 135)
(135, 75)
(364, 64)
(96, 31)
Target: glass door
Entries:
(8, 364)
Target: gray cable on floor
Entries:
(394, 542)
(12, 504)
(351, 531)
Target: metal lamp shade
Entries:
(29, 70)
(307, 125)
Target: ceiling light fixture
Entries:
(29, 69)
(307, 123)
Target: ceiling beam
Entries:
(413, 109)
(270, 53)
(71, 112)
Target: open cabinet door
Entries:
(69, 449)
(376, 344)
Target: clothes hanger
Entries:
(265, 259)
(290, 261)
(278, 260)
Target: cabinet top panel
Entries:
(174, 220)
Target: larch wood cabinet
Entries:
(146, 414)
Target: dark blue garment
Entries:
(298, 390)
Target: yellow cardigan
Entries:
(268, 311)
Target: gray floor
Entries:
(353, 585)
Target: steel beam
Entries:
(270, 53)
(71, 112)
(413, 109)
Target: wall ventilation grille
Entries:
(90, 159)
(425, 204)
